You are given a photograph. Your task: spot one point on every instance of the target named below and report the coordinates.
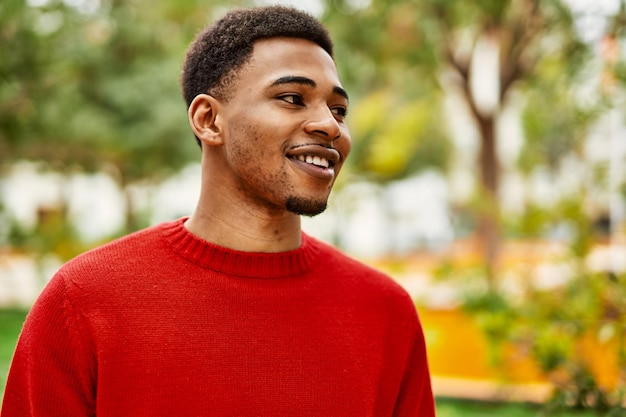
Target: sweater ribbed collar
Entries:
(232, 262)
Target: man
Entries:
(233, 311)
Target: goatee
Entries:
(305, 207)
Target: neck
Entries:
(227, 217)
(235, 227)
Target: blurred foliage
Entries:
(404, 47)
(93, 86)
(407, 57)
(396, 119)
(558, 324)
(559, 329)
(467, 408)
(551, 135)
(395, 138)
(51, 234)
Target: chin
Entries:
(305, 207)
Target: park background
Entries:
(487, 176)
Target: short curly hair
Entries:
(215, 57)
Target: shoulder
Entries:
(351, 272)
(119, 247)
(119, 257)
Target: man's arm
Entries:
(52, 372)
(415, 398)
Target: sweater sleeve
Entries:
(415, 398)
(52, 373)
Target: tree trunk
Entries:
(489, 220)
(130, 216)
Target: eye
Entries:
(295, 99)
(340, 111)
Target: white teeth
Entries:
(315, 160)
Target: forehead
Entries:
(279, 57)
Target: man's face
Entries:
(285, 138)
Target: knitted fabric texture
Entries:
(162, 323)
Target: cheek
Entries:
(243, 146)
(253, 159)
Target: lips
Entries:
(314, 154)
(316, 160)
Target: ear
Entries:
(205, 119)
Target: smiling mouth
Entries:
(315, 156)
(315, 160)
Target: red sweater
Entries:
(162, 323)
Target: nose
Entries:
(323, 123)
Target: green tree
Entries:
(93, 86)
(416, 46)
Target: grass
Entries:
(11, 321)
(447, 407)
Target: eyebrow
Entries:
(295, 79)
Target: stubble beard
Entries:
(305, 207)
